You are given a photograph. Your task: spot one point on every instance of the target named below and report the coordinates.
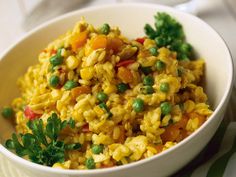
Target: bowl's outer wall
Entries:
(130, 19)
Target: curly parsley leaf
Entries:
(169, 33)
(42, 145)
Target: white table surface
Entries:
(214, 12)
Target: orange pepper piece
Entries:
(125, 75)
(114, 44)
(171, 133)
(98, 42)
(122, 136)
(75, 92)
(159, 148)
(79, 40)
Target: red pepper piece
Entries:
(85, 128)
(140, 40)
(125, 63)
(53, 51)
(30, 114)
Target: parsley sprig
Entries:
(42, 145)
(169, 33)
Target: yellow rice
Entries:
(127, 136)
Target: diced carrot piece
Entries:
(183, 134)
(79, 40)
(125, 75)
(107, 165)
(44, 51)
(121, 138)
(53, 52)
(98, 42)
(182, 123)
(75, 92)
(159, 148)
(171, 133)
(114, 44)
(201, 120)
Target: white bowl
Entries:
(131, 19)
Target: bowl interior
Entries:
(131, 20)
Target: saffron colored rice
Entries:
(98, 62)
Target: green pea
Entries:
(122, 87)
(165, 108)
(153, 51)
(56, 59)
(101, 96)
(146, 70)
(138, 105)
(70, 85)
(148, 89)
(105, 29)
(7, 112)
(160, 65)
(148, 80)
(164, 87)
(54, 81)
(89, 163)
(97, 149)
(104, 106)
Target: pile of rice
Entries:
(126, 135)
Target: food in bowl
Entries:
(97, 99)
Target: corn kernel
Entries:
(87, 73)
(99, 111)
(64, 165)
(110, 89)
(72, 62)
(192, 124)
(58, 165)
(56, 94)
(116, 133)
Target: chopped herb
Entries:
(70, 85)
(42, 145)
(169, 33)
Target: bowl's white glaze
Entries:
(131, 19)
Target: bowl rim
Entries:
(224, 98)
